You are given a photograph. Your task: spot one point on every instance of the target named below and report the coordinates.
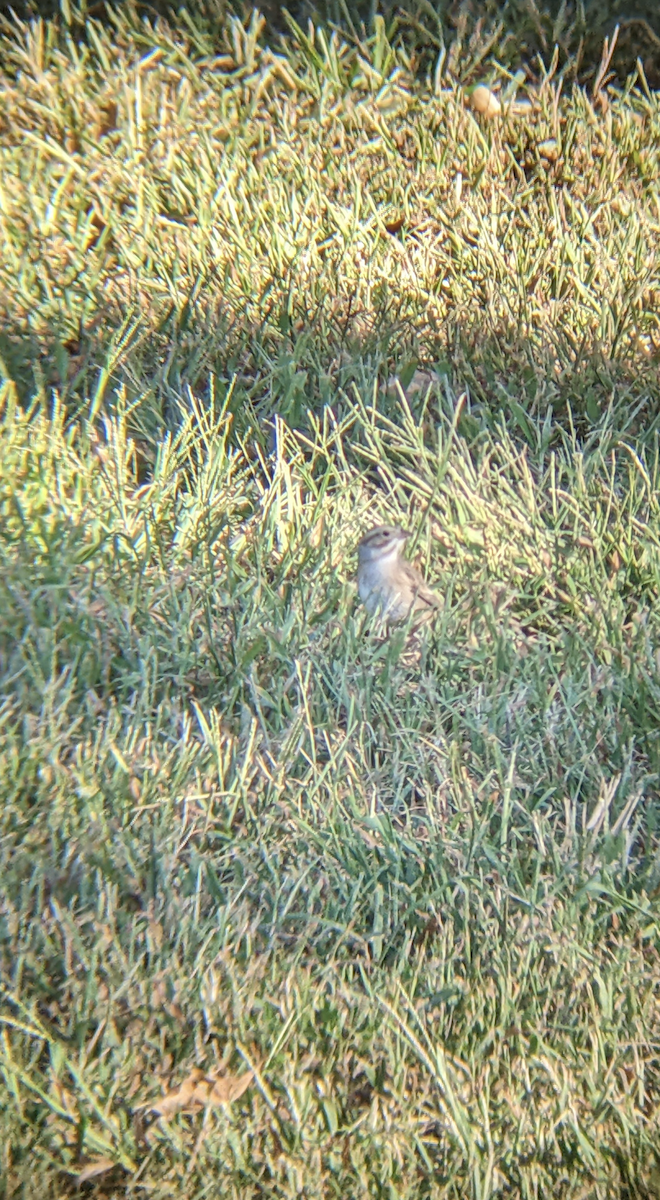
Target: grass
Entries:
(411, 883)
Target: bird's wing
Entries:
(431, 599)
(422, 592)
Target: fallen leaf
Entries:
(107, 119)
(549, 150)
(202, 1091)
(485, 102)
(98, 1167)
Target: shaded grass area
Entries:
(515, 32)
(167, 217)
(410, 882)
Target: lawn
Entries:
(290, 907)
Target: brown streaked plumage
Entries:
(387, 583)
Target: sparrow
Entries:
(387, 583)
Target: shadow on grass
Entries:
(296, 361)
(516, 31)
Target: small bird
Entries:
(387, 583)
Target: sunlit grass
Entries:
(410, 882)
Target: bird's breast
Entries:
(382, 586)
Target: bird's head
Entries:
(381, 542)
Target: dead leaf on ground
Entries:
(202, 1091)
(485, 102)
(549, 149)
(106, 121)
(98, 1167)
